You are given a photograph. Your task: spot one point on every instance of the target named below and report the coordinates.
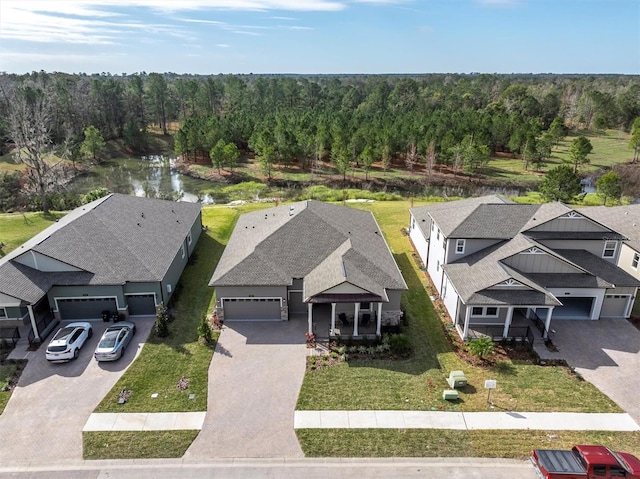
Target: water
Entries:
(146, 176)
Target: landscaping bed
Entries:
(10, 371)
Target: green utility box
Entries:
(457, 379)
(449, 394)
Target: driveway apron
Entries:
(254, 381)
(607, 354)
(44, 418)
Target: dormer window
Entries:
(609, 250)
(460, 243)
(635, 261)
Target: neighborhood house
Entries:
(498, 266)
(120, 254)
(329, 264)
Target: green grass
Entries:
(16, 228)
(417, 383)
(515, 444)
(136, 444)
(8, 164)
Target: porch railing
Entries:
(516, 333)
(10, 334)
(539, 323)
(44, 328)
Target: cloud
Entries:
(500, 3)
(222, 45)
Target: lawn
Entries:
(135, 444)
(515, 444)
(8, 370)
(16, 228)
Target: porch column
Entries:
(507, 322)
(467, 315)
(355, 319)
(547, 324)
(34, 326)
(333, 317)
(379, 320)
(310, 311)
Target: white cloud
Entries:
(222, 45)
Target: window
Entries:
(599, 470)
(635, 261)
(485, 312)
(492, 311)
(460, 246)
(3, 313)
(476, 311)
(189, 237)
(183, 250)
(609, 249)
(438, 265)
(413, 223)
(365, 306)
(438, 235)
(615, 471)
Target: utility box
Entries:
(457, 379)
(449, 394)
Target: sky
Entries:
(320, 36)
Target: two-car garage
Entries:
(91, 308)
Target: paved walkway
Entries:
(254, 380)
(558, 421)
(144, 421)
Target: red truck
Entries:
(585, 462)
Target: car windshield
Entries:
(56, 349)
(109, 339)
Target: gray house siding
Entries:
(539, 263)
(595, 247)
(570, 224)
(84, 293)
(196, 231)
(470, 246)
(173, 274)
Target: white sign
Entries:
(490, 384)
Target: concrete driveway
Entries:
(44, 418)
(254, 381)
(607, 354)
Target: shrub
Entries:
(482, 347)
(204, 330)
(161, 326)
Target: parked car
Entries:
(583, 462)
(66, 343)
(114, 341)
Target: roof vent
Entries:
(138, 224)
(142, 214)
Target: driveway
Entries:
(44, 418)
(607, 354)
(254, 381)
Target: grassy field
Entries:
(16, 228)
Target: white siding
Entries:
(450, 298)
(625, 261)
(436, 257)
(419, 241)
(43, 263)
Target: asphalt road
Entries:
(451, 468)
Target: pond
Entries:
(142, 176)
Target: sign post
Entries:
(490, 384)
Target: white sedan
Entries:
(67, 341)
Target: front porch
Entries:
(326, 321)
(519, 324)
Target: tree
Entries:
(10, 193)
(158, 93)
(217, 155)
(578, 151)
(30, 123)
(430, 158)
(609, 185)
(231, 155)
(634, 143)
(367, 157)
(560, 184)
(557, 130)
(93, 144)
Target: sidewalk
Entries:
(160, 421)
(560, 421)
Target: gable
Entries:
(41, 262)
(536, 260)
(571, 222)
(345, 288)
(6, 300)
(509, 284)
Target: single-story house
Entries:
(306, 260)
(497, 264)
(119, 253)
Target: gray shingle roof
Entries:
(513, 297)
(493, 221)
(323, 243)
(603, 269)
(449, 215)
(114, 239)
(623, 219)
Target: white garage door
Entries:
(252, 309)
(614, 306)
(85, 308)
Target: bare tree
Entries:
(431, 159)
(412, 156)
(29, 129)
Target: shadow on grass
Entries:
(503, 367)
